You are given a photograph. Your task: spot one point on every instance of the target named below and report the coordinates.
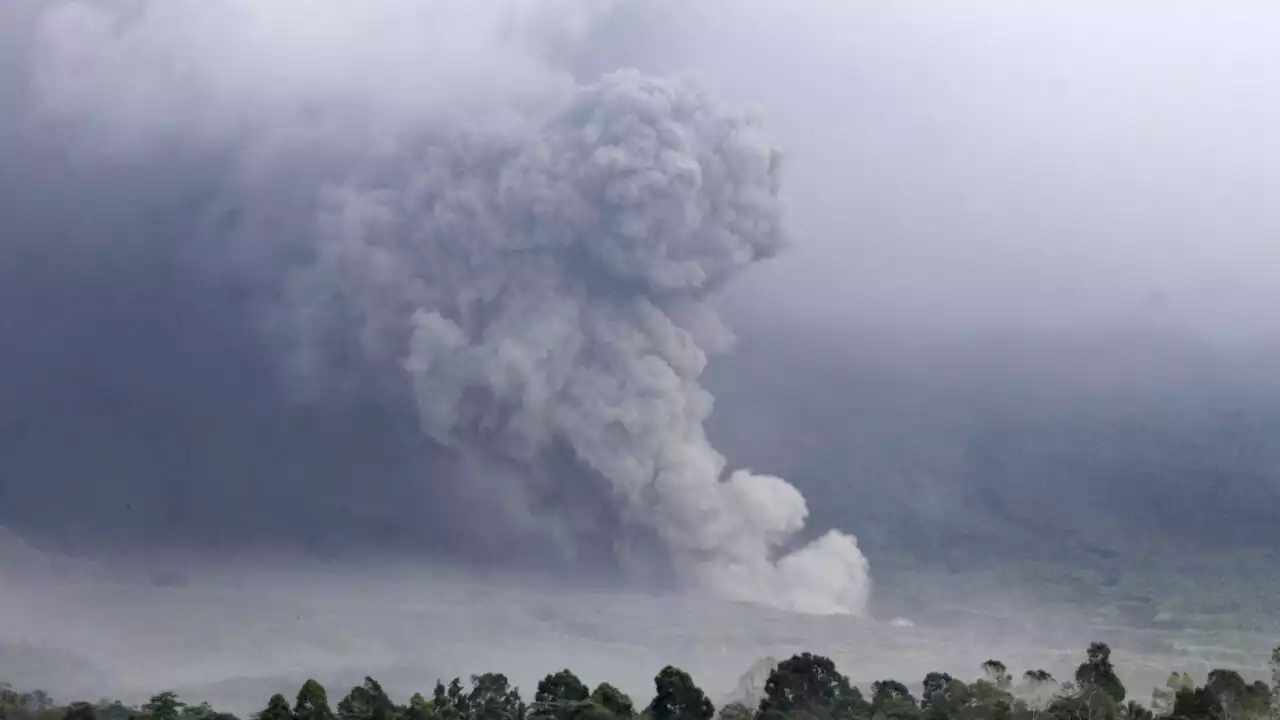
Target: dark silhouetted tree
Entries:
(493, 698)
(892, 700)
(312, 702)
(997, 674)
(810, 685)
(942, 696)
(366, 701)
(563, 696)
(679, 698)
(164, 706)
(277, 709)
(1097, 673)
(81, 711)
(562, 686)
(614, 700)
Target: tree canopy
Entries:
(803, 687)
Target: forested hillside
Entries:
(1099, 470)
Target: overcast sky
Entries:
(1007, 162)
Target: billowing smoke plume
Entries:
(544, 286)
(533, 271)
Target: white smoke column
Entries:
(529, 258)
(528, 279)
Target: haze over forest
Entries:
(418, 338)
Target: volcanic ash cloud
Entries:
(450, 216)
(546, 284)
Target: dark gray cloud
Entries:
(251, 260)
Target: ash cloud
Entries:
(283, 230)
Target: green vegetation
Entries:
(803, 687)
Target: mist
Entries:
(984, 288)
(1009, 164)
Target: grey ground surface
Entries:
(235, 637)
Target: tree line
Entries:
(803, 687)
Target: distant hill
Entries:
(959, 451)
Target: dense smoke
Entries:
(527, 256)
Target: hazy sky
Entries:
(1020, 162)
